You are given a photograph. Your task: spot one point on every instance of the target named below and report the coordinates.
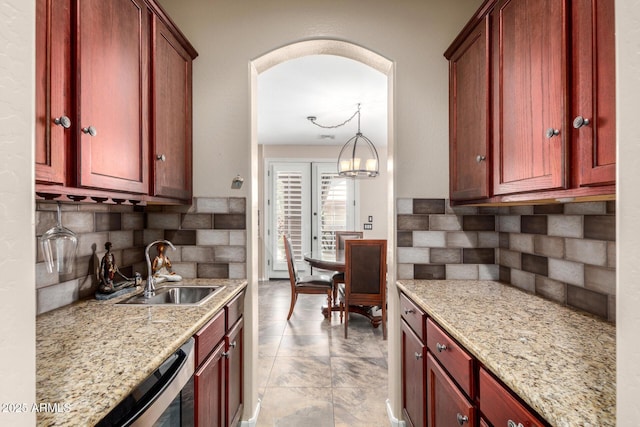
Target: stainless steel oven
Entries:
(164, 399)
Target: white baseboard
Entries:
(253, 420)
(392, 419)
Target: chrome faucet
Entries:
(150, 286)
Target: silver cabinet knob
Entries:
(580, 121)
(161, 157)
(63, 121)
(232, 344)
(441, 347)
(551, 132)
(512, 423)
(90, 131)
(418, 355)
(480, 158)
(462, 419)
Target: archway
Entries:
(386, 67)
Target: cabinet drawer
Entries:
(454, 358)
(234, 309)
(209, 336)
(413, 315)
(500, 407)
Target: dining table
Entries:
(334, 261)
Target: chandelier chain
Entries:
(357, 113)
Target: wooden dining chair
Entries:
(365, 279)
(341, 237)
(311, 284)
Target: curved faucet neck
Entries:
(150, 286)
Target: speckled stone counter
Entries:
(91, 354)
(561, 362)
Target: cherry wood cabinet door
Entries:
(234, 373)
(446, 405)
(414, 390)
(593, 92)
(529, 64)
(54, 114)
(113, 42)
(468, 116)
(209, 383)
(172, 116)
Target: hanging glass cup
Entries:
(59, 247)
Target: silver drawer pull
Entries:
(462, 419)
(409, 310)
(418, 355)
(90, 131)
(551, 132)
(232, 344)
(512, 423)
(63, 121)
(580, 121)
(441, 347)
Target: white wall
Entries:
(17, 209)
(628, 212)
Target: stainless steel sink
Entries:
(176, 295)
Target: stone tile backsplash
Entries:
(210, 239)
(563, 252)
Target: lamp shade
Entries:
(358, 158)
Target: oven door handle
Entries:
(146, 403)
(158, 399)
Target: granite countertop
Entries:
(91, 354)
(560, 361)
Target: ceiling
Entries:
(328, 87)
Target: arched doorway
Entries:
(319, 47)
(265, 62)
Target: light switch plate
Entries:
(368, 226)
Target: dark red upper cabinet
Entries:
(171, 156)
(54, 111)
(469, 125)
(529, 102)
(548, 83)
(113, 40)
(593, 93)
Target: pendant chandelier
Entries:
(358, 157)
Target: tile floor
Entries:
(309, 375)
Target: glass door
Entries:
(308, 202)
(333, 206)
